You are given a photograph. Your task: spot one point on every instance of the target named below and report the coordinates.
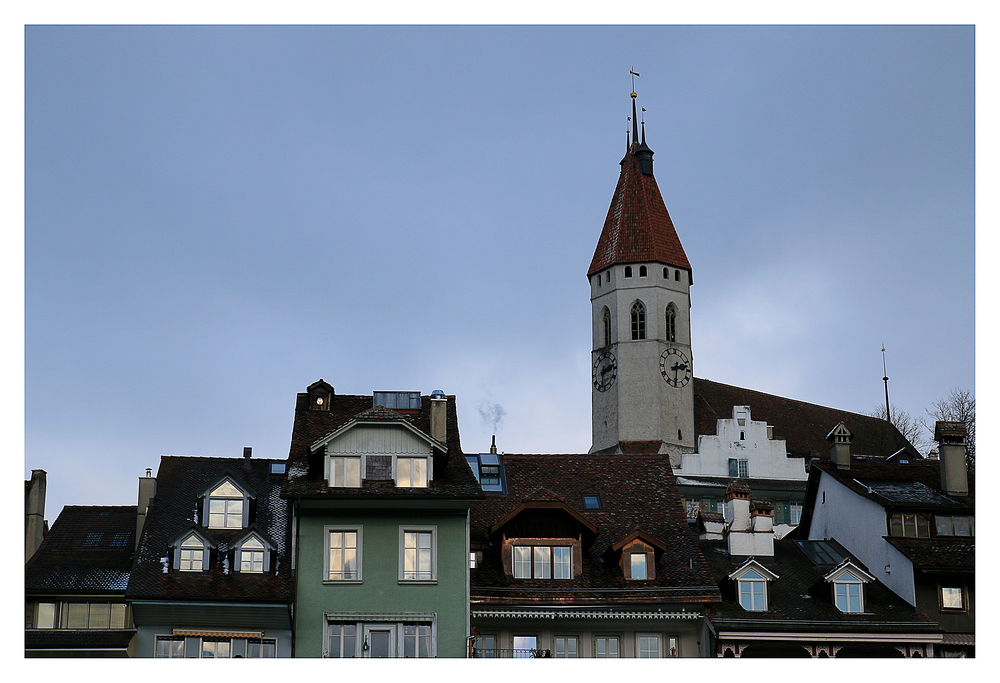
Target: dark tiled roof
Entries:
(756, 484)
(802, 425)
(305, 469)
(637, 447)
(638, 227)
(914, 485)
(937, 553)
(178, 483)
(83, 639)
(800, 600)
(636, 493)
(88, 549)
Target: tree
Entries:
(958, 406)
(911, 429)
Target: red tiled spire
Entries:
(638, 227)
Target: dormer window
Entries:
(849, 587)
(411, 472)
(543, 562)
(638, 555)
(252, 555)
(638, 562)
(190, 551)
(752, 580)
(225, 507)
(345, 471)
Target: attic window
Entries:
(397, 400)
(543, 562)
(753, 592)
(591, 503)
(910, 524)
(192, 554)
(226, 507)
(252, 555)
(953, 525)
(638, 568)
(120, 539)
(848, 594)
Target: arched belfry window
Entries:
(671, 323)
(606, 327)
(642, 271)
(628, 271)
(638, 320)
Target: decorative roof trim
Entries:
(754, 565)
(382, 616)
(358, 420)
(833, 636)
(561, 614)
(847, 565)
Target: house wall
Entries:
(929, 600)
(145, 642)
(380, 590)
(859, 525)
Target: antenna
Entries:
(885, 378)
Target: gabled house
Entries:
(380, 492)
(75, 585)
(800, 598)
(910, 521)
(213, 572)
(586, 556)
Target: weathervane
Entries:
(885, 379)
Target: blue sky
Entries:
(216, 217)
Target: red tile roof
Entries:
(638, 227)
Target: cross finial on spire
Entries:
(635, 130)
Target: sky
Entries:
(216, 217)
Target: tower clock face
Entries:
(605, 371)
(675, 367)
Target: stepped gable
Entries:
(638, 227)
(636, 493)
(179, 480)
(802, 425)
(305, 468)
(88, 549)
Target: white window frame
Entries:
(218, 641)
(417, 529)
(952, 586)
(607, 650)
(253, 553)
(417, 637)
(340, 528)
(364, 623)
(534, 566)
(332, 471)
(410, 482)
(639, 646)
(632, 566)
(358, 639)
(750, 599)
(846, 585)
(566, 641)
(231, 518)
(170, 654)
(185, 547)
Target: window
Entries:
(953, 525)
(952, 596)
(591, 503)
(638, 320)
(417, 640)
(795, 513)
(489, 476)
(277, 468)
(753, 591)
(913, 525)
(81, 615)
(417, 554)
(606, 326)
(45, 615)
(397, 400)
(638, 565)
(739, 467)
(671, 323)
(606, 647)
(215, 648)
(343, 553)
(628, 271)
(848, 596)
(566, 645)
(524, 646)
(192, 554)
(848, 588)
(345, 471)
(252, 556)
(343, 640)
(225, 507)
(120, 539)
(642, 271)
(93, 538)
(543, 562)
(411, 472)
(677, 275)
(169, 646)
(485, 647)
(649, 646)
(693, 507)
(261, 648)
(666, 273)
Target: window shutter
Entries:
(733, 468)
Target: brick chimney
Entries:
(147, 491)
(34, 513)
(951, 454)
(738, 506)
(439, 416)
(840, 446)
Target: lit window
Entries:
(649, 646)
(252, 556)
(192, 555)
(261, 648)
(638, 320)
(543, 562)
(485, 647)
(908, 524)
(671, 323)
(566, 645)
(606, 647)
(343, 639)
(524, 646)
(753, 591)
(417, 640)
(418, 550)
(952, 596)
(343, 554)
(225, 507)
(638, 565)
(215, 648)
(411, 472)
(169, 646)
(345, 471)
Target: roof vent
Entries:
(437, 393)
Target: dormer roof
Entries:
(382, 416)
(542, 499)
(640, 535)
(752, 564)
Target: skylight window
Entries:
(120, 539)
(591, 502)
(93, 538)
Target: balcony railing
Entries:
(491, 653)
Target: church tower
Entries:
(640, 279)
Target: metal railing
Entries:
(491, 653)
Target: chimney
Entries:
(951, 454)
(840, 446)
(147, 492)
(247, 451)
(34, 513)
(439, 416)
(750, 531)
(493, 446)
(738, 506)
